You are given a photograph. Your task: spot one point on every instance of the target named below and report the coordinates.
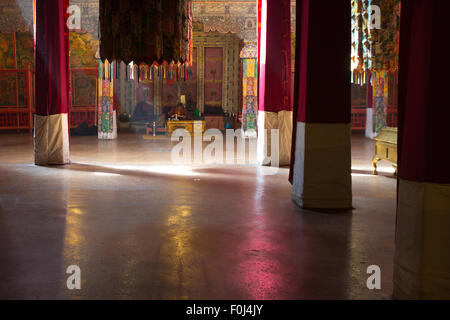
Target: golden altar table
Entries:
(386, 148)
(190, 125)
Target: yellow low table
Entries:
(190, 125)
(386, 148)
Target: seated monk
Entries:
(180, 111)
(143, 112)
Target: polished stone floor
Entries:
(140, 228)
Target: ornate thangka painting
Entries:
(83, 48)
(7, 80)
(25, 49)
(83, 64)
(84, 88)
(12, 84)
(8, 90)
(6, 51)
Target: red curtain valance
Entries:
(146, 31)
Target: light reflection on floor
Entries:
(142, 228)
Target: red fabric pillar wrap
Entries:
(322, 65)
(323, 42)
(301, 13)
(259, 29)
(424, 112)
(275, 71)
(52, 58)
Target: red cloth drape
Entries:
(323, 81)
(259, 32)
(146, 31)
(424, 108)
(322, 64)
(275, 46)
(52, 58)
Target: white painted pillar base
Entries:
(422, 250)
(322, 168)
(274, 120)
(51, 140)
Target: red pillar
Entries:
(422, 253)
(275, 105)
(52, 83)
(321, 171)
